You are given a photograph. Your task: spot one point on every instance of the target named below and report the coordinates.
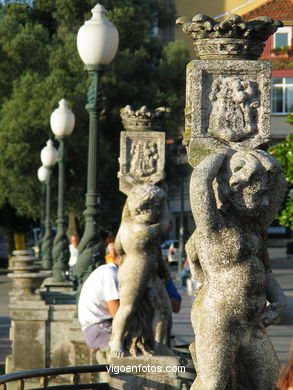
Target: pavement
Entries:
(281, 334)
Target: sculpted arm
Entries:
(195, 267)
(202, 196)
(277, 301)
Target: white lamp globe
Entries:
(97, 39)
(62, 120)
(49, 154)
(43, 174)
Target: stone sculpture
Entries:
(234, 199)
(234, 114)
(235, 192)
(138, 241)
(140, 324)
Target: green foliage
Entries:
(282, 63)
(283, 152)
(39, 65)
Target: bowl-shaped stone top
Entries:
(143, 119)
(229, 39)
(28, 282)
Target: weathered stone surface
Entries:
(148, 373)
(227, 106)
(140, 323)
(234, 198)
(235, 192)
(79, 353)
(228, 39)
(28, 347)
(143, 119)
(28, 333)
(48, 331)
(142, 158)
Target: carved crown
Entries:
(229, 39)
(143, 118)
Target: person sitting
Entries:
(97, 306)
(111, 254)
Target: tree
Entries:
(39, 65)
(283, 152)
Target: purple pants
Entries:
(98, 335)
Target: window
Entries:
(282, 95)
(283, 37)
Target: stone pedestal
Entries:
(40, 334)
(60, 320)
(144, 372)
(80, 353)
(28, 332)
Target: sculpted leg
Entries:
(261, 362)
(216, 348)
(162, 310)
(119, 324)
(130, 294)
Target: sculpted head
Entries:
(246, 181)
(144, 202)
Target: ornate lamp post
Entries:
(97, 43)
(49, 159)
(42, 176)
(62, 123)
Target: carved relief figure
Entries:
(234, 108)
(144, 156)
(142, 291)
(234, 198)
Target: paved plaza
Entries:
(280, 334)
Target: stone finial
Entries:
(143, 118)
(228, 39)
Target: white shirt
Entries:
(73, 255)
(100, 287)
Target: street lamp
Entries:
(49, 159)
(62, 123)
(97, 43)
(42, 176)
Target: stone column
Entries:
(235, 192)
(28, 314)
(139, 326)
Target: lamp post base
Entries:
(60, 255)
(47, 251)
(91, 254)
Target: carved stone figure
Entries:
(140, 323)
(234, 114)
(234, 197)
(144, 156)
(232, 38)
